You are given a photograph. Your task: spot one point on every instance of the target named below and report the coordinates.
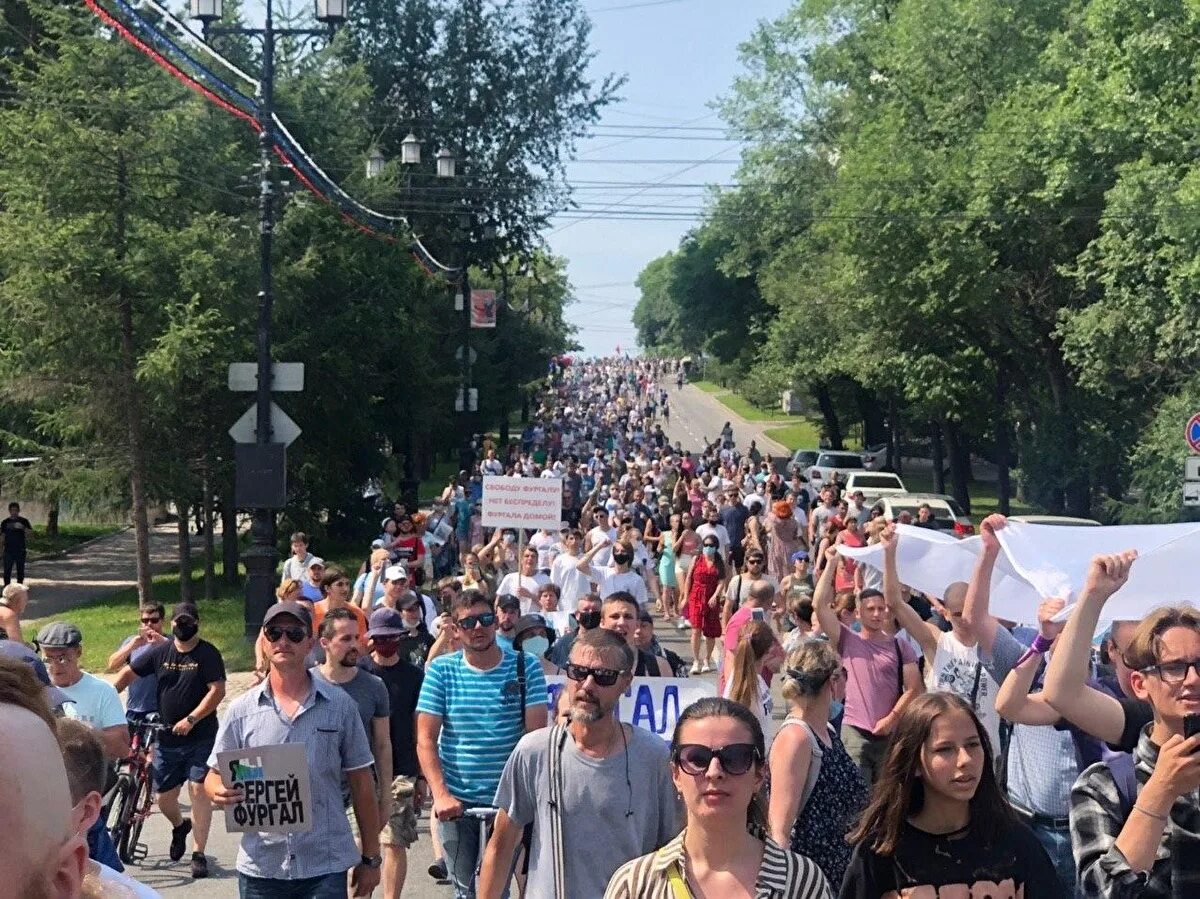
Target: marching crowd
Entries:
(925, 747)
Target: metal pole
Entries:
(466, 322)
(260, 559)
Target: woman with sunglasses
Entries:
(704, 586)
(718, 766)
(816, 789)
(937, 817)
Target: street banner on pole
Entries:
(651, 703)
(275, 783)
(522, 502)
(483, 308)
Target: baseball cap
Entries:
(20, 652)
(409, 601)
(529, 622)
(295, 609)
(376, 544)
(395, 573)
(59, 634)
(185, 610)
(316, 560)
(507, 601)
(799, 555)
(385, 622)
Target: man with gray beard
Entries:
(614, 799)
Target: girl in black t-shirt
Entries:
(938, 819)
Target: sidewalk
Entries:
(94, 570)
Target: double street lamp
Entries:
(260, 559)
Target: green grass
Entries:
(431, 488)
(802, 434)
(984, 498)
(68, 537)
(740, 405)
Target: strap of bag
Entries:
(975, 687)
(814, 766)
(679, 888)
(899, 668)
(558, 740)
(521, 685)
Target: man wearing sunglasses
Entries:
(474, 707)
(142, 698)
(617, 800)
(292, 706)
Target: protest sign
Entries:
(522, 502)
(651, 703)
(274, 779)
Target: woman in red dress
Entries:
(704, 589)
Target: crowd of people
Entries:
(861, 739)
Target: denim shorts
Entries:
(173, 765)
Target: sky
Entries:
(679, 56)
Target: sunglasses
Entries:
(605, 677)
(293, 634)
(155, 620)
(470, 622)
(735, 759)
(754, 561)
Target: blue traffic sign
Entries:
(1192, 432)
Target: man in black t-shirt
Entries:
(191, 684)
(403, 682)
(14, 529)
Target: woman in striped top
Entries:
(718, 765)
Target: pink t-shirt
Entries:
(873, 684)
(734, 631)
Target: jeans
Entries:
(327, 886)
(463, 854)
(866, 751)
(1057, 844)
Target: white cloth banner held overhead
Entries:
(1039, 561)
(651, 703)
(522, 503)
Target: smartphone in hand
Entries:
(1191, 725)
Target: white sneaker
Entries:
(705, 668)
(683, 624)
(696, 667)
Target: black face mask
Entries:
(185, 630)
(588, 621)
(621, 558)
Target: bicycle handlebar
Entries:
(483, 812)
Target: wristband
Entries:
(1039, 647)
(1138, 808)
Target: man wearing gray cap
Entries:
(190, 677)
(291, 706)
(92, 700)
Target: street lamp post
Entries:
(260, 559)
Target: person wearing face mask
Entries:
(534, 635)
(620, 577)
(816, 789)
(416, 640)
(587, 618)
(191, 684)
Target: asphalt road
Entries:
(695, 415)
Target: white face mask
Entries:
(536, 646)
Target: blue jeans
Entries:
(463, 854)
(1057, 844)
(327, 886)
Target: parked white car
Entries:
(830, 461)
(948, 515)
(874, 484)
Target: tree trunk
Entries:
(895, 435)
(52, 517)
(184, 544)
(229, 538)
(1076, 488)
(128, 380)
(833, 428)
(210, 549)
(871, 410)
(1003, 444)
(960, 464)
(939, 457)
(504, 422)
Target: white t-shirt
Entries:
(295, 569)
(715, 530)
(513, 583)
(765, 706)
(954, 671)
(122, 886)
(95, 702)
(545, 545)
(630, 581)
(595, 535)
(571, 582)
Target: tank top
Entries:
(957, 669)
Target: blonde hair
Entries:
(1145, 647)
(754, 643)
(287, 587)
(809, 668)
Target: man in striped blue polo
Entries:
(475, 705)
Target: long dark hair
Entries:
(900, 793)
(717, 707)
(716, 558)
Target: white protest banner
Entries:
(522, 502)
(1040, 560)
(278, 795)
(651, 703)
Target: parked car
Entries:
(948, 515)
(874, 484)
(829, 461)
(802, 460)
(875, 457)
(1055, 519)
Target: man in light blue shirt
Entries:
(291, 706)
(475, 706)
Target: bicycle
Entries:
(133, 792)
(486, 815)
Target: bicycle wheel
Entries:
(141, 809)
(119, 830)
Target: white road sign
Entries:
(283, 429)
(286, 377)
